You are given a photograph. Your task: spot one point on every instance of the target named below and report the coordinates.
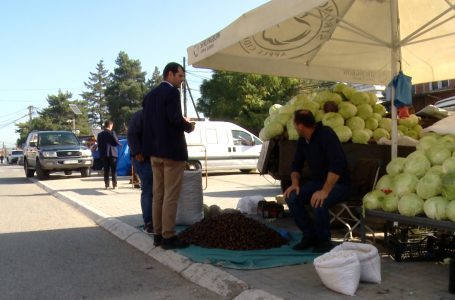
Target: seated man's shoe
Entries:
(173, 243)
(305, 243)
(157, 240)
(322, 246)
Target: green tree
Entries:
(57, 116)
(125, 91)
(244, 98)
(95, 95)
(155, 80)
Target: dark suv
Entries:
(55, 151)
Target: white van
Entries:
(224, 145)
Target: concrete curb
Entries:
(204, 275)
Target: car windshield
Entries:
(57, 138)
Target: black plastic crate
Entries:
(407, 243)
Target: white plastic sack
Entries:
(444, 126)
(339, 271)
(249, 204)
(190, 206)
(370, 262)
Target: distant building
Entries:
(424, 94)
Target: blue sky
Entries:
(50, 45)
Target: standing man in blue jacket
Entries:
(107, 146)
(143, 168)
(320, 147)
(164, 141)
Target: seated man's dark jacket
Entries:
(107, 143)
(323, 154)
(164, 124)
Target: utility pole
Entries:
(185, 110)
(30, 112)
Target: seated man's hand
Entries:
(290, 189)
(318, 198)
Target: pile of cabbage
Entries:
(359, 118)
(423, 183)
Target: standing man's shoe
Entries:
(157, 240)
(148, 228)
(173, 243)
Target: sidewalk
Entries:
(118, 211)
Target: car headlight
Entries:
(49, 154)
(86, 152)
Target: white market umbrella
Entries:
(356, 41)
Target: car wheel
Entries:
(28, 172)
(193, 165)
(68, 172)
(40, 173)
(85, 172)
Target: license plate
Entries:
(69, 162)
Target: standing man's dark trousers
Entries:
(110, 164)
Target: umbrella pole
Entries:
(395, 59)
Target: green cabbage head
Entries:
(436, 207)
(373, 199)
(404, 183)
(448, 186)
(438, 154)
(449, 165)
(355, 123)
(429, 186)
(332, 119)
(417, 165)
(385, 183)
(410, 205)
(347, 109)
(395, 166)
(344, 133)
(390, 203)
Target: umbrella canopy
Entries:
(362, 41)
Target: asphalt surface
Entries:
(118, 212)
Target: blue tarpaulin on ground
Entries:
(124, 159)
(251, 259)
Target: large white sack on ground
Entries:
(339, 271)
(249, 204)
(444, 126)
(190, 207)
(370, 262)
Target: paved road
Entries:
(48, 250)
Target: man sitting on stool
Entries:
(320, 147)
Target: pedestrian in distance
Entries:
(329, 181)
(143, 168)
(107, 147)
(164, 141)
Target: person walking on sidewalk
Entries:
(142, 167)
(107, 147)
(164, 141)
(329, 184)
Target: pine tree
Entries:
(125, 91)
(95, 96)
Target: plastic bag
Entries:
(370, 262)
(444, 126)
(339, 271)
(249, 204)
(190, 206)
